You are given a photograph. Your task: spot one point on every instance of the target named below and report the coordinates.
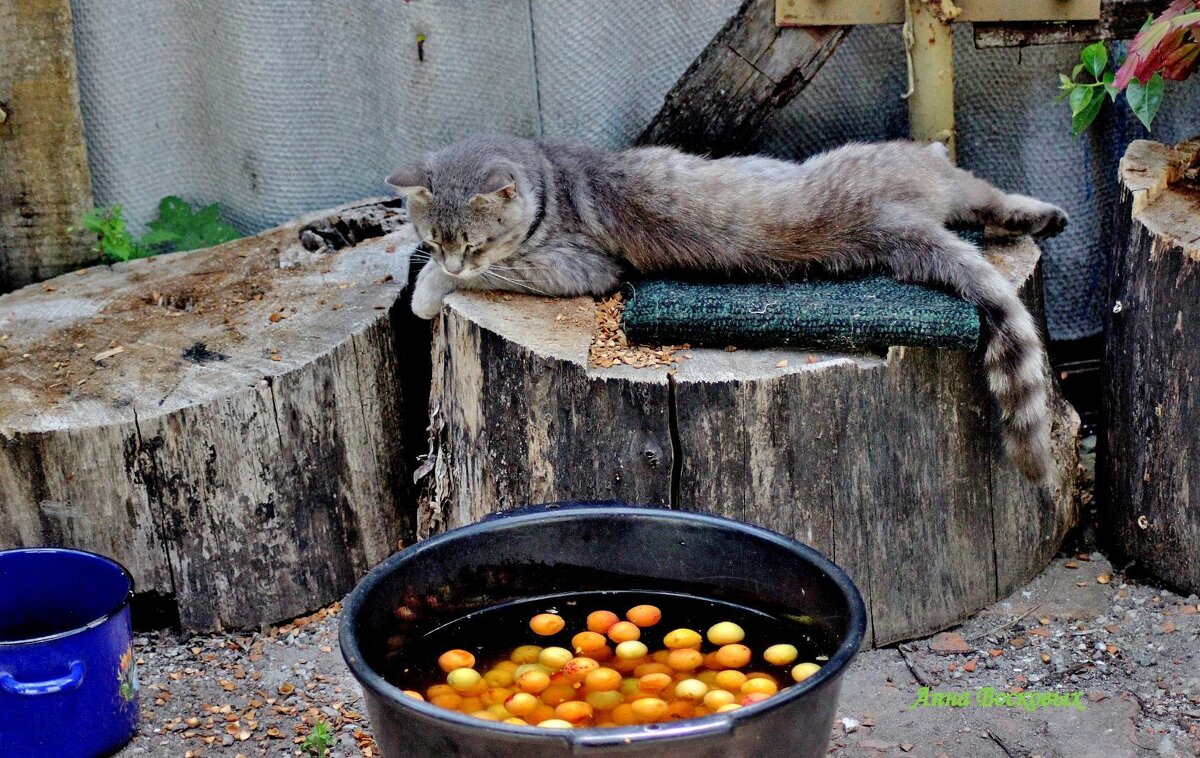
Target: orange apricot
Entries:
(623, 631)
(600, 621)
(456, 659)
(644, 615)
(733, 656)
(547, 624)
(685, 659)
(573, 711)
(587, 642)
(602, 679)
(649, 709)
(682, 638)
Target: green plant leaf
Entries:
(1083, 118)
(1144, 100)
(1108, 86)
(1095, 57)
(1079, 99)
(1075, 71)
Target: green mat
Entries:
(857, 314)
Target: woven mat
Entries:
(857, 314)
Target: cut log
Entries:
(749, 69)
(1150, 462)
(891, 465)
(45, 186)
(225, 422)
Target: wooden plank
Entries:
(1119, 19)
(1150, 457)
(832, 13)
(45, 186)
(749, 69)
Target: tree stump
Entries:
(1150, 462)
(891, 465)
(225, 422)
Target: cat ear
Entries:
(499, 197)
(411, 181)
(499, 186)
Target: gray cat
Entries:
(564, 219)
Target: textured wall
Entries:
(276, 107)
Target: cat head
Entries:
(470, 212)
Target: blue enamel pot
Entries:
(68, 687)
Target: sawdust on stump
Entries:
(610, 346)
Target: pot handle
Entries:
(66, 683)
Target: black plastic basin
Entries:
(580, 547)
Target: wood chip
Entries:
(108, 353)
(782, 364)
(1103, 579)
(610, 347)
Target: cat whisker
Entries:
(522, 286)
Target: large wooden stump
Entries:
(891, 465)
(1150, 464)
(225, 422)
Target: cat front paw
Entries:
(426, 304)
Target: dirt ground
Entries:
(1131, 650)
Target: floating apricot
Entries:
(725, 633)
(802, 671)
(456, 659)
(649, 709)
(631, 650)
(624, 631)
(644, 615)
(521, 703)
(602, 680)
(691, 689)
(587, 642)
(780, 655)
(463, 678)
(682, 638)
(600, 621)
(547, 624)
(733, 655)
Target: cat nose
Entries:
(453, 265)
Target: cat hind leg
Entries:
(973, 200)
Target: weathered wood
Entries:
(45, 186)
(749, 69)
(226, 422)
(823, 13)
(891, 465)
(1150, 465)
(1119, 19)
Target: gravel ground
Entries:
(1131, 650)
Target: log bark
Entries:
(749, 69)
(45, 186)
(889, 464)
(1150, 462)
(225, 422)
